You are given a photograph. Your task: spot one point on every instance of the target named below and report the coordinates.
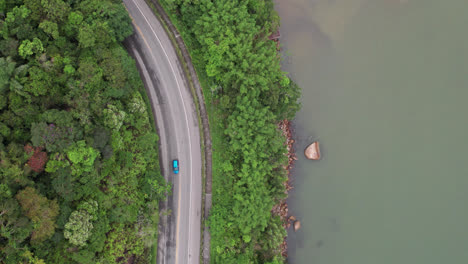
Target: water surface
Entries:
(385, 91)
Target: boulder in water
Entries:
(312, 152)
(297, 225)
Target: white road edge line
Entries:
(186, 123)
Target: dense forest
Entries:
(79, 173)
(228, 41)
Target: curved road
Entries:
(177, 124)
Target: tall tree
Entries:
(81, 157)
(7, 66)
(38, 158)
(15, 229)
(41, 211)
(79, 226)
(28, 48)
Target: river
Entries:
(385, 91)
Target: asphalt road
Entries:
(177, 124)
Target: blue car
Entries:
(175, 166)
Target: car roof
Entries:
(175, 162)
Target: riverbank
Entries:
(281, 209)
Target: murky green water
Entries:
(386, 94)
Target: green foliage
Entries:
(28, 48)
(75, 18)
(16, 228)
(55, 10)
(68, 88)
(232, 39)
(5, 191)
(272, 238)
(12, 172)
(63, 182)
(122, 242)
(29, 256)
(50, 28)
(81, 157)
(14, 20)
(113, 117)
(79, 226)
(53, 137)
(41, 211)
(90, 73)
(36, 8)
(2, 6)
(7, 66)
(119, 21)
(9, 47)
(56, 163)
(68, 69)
(115, 15)
(39, 82)
(137, 105)
(86, 36)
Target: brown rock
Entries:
(297, 225)
(312, 152)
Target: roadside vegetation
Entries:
(79, 174)
(246, 94)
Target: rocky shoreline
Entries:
(281, 208)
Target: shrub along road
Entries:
(176, 120)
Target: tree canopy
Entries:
(79, 174)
